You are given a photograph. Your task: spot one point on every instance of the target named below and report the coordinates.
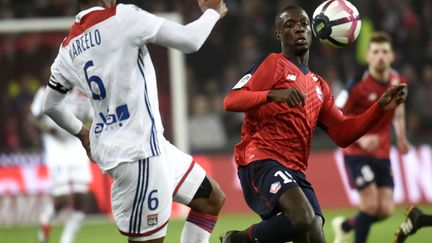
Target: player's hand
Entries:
(291, 96)
(369, 142)
(84, 137)
(393, 96)
(217, 5)
(403, 145)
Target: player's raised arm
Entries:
(346, 130)
(189, 38)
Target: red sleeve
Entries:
(251, 91)
(243, 100)
(345, 130)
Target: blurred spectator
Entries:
(206, 131)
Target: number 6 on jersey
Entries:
(95, 83)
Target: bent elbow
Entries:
(192, 47)
(227, 105)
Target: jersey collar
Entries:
(84, 12)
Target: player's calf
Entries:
(205, 208)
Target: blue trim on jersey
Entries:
(153, 140)
(138, 197)
(140, 205)
(256, 64)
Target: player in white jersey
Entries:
(68, 166)
(105, 56)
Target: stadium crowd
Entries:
(247, 32)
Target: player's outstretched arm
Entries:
(346, 130)
(189, 38)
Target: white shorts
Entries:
(143, 191)
(68, 166)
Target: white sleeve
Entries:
(55, 108)
(57, 74)
(187, 38)
(36, 106)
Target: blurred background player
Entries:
(127, 136)
(367, 160)
(283, 102)
(414, 220)
(68, 167)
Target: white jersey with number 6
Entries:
(107, 59)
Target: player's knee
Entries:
(385, 211)
(370, 207)
(304, 221)
(217, 199)
(209, 198)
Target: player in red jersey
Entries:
(367, 160)
(283, 103)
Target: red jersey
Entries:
(362, 94)
(275, 131)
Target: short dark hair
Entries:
(286, 9)
(380, 37)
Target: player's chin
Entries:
(301, 49)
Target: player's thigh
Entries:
(296, 206)
(188, 175)
(386, 202)
(141, 198)
(369, 198)
(315, 234)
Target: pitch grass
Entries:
(105, 231)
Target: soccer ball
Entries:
(336, 23)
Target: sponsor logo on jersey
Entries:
(112, 120)
(319, 92)
(243, 81)
(291, 77)
(314, 77)
(275, 187)
(152, 219)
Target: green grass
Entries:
(106, 232)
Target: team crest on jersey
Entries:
(152, 219)
(275, 187)
(291, 77)
(243, 81)
(319, 92)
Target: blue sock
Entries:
(363, 222)
(275, 229)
